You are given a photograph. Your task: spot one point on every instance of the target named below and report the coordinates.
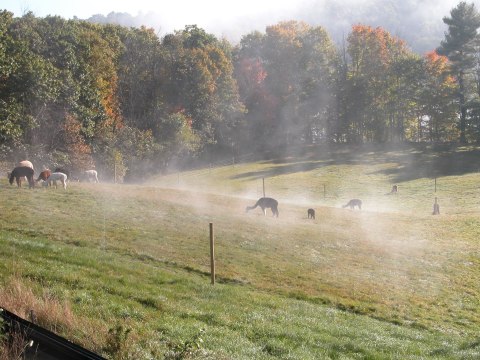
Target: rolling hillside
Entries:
(388, 282)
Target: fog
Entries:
(419, 23)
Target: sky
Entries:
(224, 18)
(183, 9)
(177, 12)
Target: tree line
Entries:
(125, 100)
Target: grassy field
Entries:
(124, 269)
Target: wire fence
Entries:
(196, 171)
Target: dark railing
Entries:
(44, 344)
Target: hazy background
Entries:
(418, 22)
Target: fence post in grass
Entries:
(212, 255)
(436, 208)
(263, 181)
(435, 184)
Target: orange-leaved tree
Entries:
(78, 151)
(373, 79)
(439, 100)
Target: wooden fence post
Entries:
(212, 255)
(436, 208)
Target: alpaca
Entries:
(22, 178)
(91, 175)
(19, 173)
(394, 190)
(54, 177)
(352, 203)
(63, 171)
(311, 214)
(25, 163)
(265, 203)
(44, 175)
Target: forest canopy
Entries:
(82, 94)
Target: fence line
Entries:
(205, 169)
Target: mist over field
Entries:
(392, 272)
(187, 130)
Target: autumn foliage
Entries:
(96, 95)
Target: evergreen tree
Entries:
(459, 47)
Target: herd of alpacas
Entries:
(24, 171)
(269, 203)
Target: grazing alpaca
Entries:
(352, 203)
(44, 175)
(394, 190)
(22, 171)
(91, 175)
(311, 214)
(54, 177)
(63, 171)
(22, 178)
(25, 163)
(265, 203)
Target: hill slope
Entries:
(390, 281)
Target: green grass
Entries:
(389, 282)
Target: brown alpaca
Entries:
(352, 203)
(44, 175)
(265, 203)
(311, 214)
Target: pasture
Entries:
(388, 282)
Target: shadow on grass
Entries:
(436, 162)
(413, 161)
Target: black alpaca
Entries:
(19, 172)
(394, 190)
(311, 214)
(354, 202)
(265, 203)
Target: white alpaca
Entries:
(54, 177)
(25, 163)
(91, 175)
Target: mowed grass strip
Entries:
(164, 304)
